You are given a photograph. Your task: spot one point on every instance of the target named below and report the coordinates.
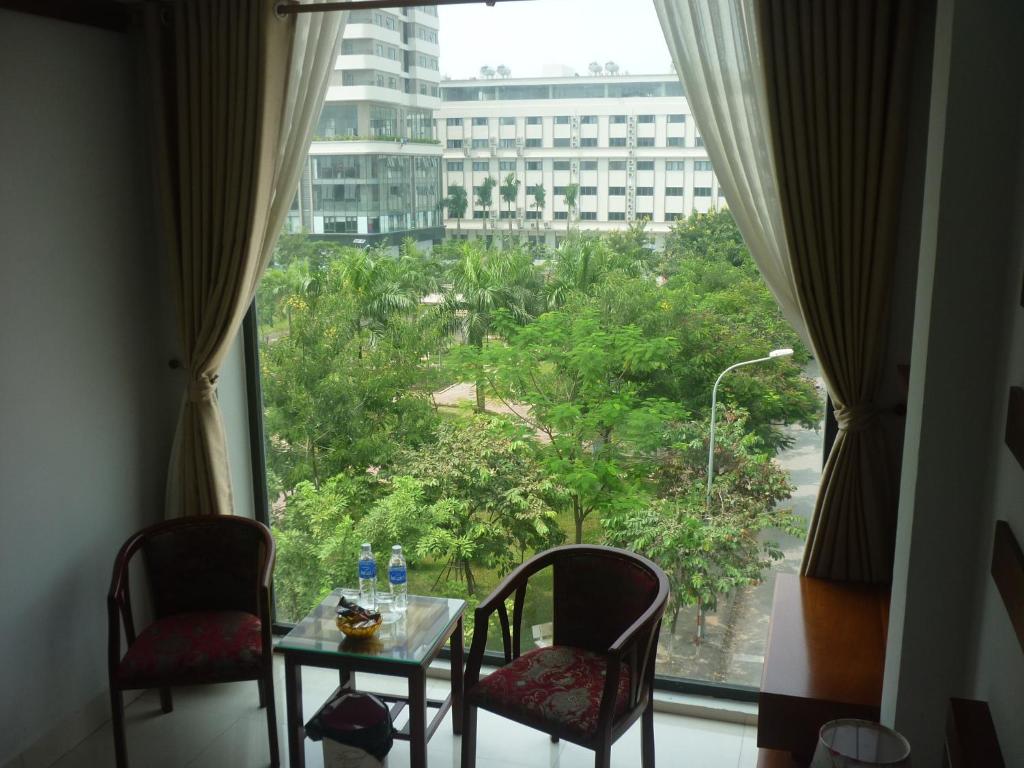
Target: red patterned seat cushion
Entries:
(557, 688)
(200, 647)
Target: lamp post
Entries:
(775, 353)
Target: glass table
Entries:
(402, 648)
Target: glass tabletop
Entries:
(405, 640)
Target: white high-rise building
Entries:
(373, 173)
(628, 141)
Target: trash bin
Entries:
(356, 731)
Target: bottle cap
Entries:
(396, 548)
(366, 545)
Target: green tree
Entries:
(572, 192)
(485, 197)
(379, 287)
(539, 200)
(510, 194)
(490, 498)
(579, 377)
(457, 203)
(709, 552)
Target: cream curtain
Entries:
(715, 47)
(238, 91)
(836, 76)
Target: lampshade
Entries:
(856, 743)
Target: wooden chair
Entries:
(209, 580)
(597, 678)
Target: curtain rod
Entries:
(353, 5)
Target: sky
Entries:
(526, 36)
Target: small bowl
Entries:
(349, 628)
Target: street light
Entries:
(786, 352)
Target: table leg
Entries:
(418, 719)
(345, 678)
(296, 726)
(457, 679)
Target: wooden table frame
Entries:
(418, 730)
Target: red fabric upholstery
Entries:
(199, 647)
(553, 689)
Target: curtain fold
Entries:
(836, 74)
(716, 50)
(237, 92)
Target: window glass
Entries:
(675, 165)
(676, 141)
(533, 121)
(588, 216)
(702, 165)
(558, 143)
(616, 165)
(677, 118)
(645, 119)
(645, 141)
(588, 165)
(702, 191)
(644, 191)
(617, 141)
(645, 165)
(561, 165)
(616, 191)
(588, 142)
(534, 165)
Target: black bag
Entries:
(357, 720)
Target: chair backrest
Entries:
(205, 563)
(598, 593)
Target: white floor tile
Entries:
(223, 727)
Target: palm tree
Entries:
(510, 194)
(482, 282)
(539, 198)
(381, 288)
(503, 71)
(485, 198)
(457, 202)
(572, 192)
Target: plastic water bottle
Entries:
(398, 576)
(367, 578)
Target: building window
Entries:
(645, 119)
(479, 121)
(453, 121)
(677, 118)
(507, 143)
(558, 190)
(479, 214)
(590, 142)
(454, 143)
(676, 141)
(698, 141)
(588, 165)
(480, 143)
(616, 165)
(562, 120)
(675, 165)
(645, 165)
(534, 143)
(645, 191)
(561, 215)
(617, 141)
(617, 119)
(561, 165)
(588, 190)
(560, 143)
(506, 121)
(588, 120)
(673, 191)
(533, 121)
(645, 141)
(588, 216)
(533, 214)
(454, 165)
(507, 165)
(673, 216)
(481, 165)
(534, 165)
(702, 165)
(616, 191)
(702, 191)
(616, 216)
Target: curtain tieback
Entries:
(854, 418)
(201, 389)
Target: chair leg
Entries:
(166, 702)
(263, 693)
(554, 739)
(603, 756)
(468, 736)
(117, 725)
(267, 700)
(647, 737)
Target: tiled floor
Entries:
(222, 727)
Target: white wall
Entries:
(88, 402)
(949, 635)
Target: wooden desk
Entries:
(825, 658)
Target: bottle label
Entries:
(367, 569)
(396, 574)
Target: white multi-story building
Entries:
(628, 141)
(373, 173)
